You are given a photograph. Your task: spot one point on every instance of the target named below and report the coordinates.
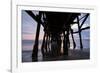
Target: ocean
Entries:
(27, 46)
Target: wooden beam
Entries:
(84, 20)
(30, 13)
(82, 29)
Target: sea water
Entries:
(27, 46)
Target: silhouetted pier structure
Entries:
(57, 25)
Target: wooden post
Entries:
(35, 48)
(46, 43)
(74, 44)
(66, 43)
(80, 37)
(59, 45)
(43, 44)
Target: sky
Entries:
(29, 27)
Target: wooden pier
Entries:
(56, 25)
